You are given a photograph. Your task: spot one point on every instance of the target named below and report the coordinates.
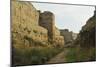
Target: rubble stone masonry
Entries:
(30, 25)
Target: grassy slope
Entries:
(81, 54)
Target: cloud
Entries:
(71, 17)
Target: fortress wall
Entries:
(25, 24)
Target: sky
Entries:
(71, 17)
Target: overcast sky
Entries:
(71, 17)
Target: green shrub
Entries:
(34, 55)
(80, 54)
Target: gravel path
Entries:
(59, 58)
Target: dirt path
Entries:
(60, 58)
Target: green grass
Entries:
(34, 55)
(80, 54)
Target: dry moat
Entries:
(36, 39)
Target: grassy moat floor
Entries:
(48, 55)
(80, 54)
(74, 54)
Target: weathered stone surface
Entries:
(25, 24)
(30, 26)
(59, 39)
(57, 32)
(47, 21)
(67, 35)
(87, 35)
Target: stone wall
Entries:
(59, 39)
(57, 32)
(25, 24)
(67, 35)
(87, 34)
(30, 26)
(47, 20)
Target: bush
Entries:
(35, 55)
(81, 54)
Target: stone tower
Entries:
(67, 35)
(47, 21)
